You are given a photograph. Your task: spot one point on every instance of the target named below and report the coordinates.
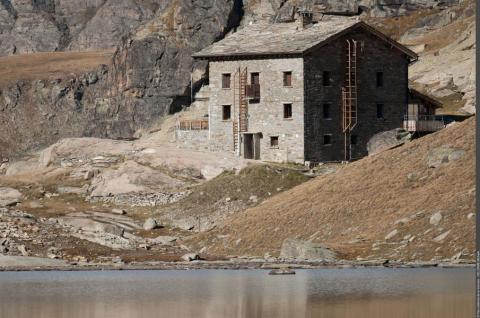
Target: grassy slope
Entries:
(50, 65)
(358, 205)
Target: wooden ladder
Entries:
(349, 96)
(240, 121)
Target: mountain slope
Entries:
(354, 209)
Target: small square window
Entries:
(226, 80)
(379, 79)
(327, 79)
(274, 141)
(380, 114)
(353, 139)
(327, 111)
(327, 140)
(287, 110)
(287, 79)
(226, 112)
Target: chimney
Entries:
(304, 18)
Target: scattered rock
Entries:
(402, 221)
(470, 216)
(443, 155)
(9, 196)
(119, 211)
(190, 257)
(391, 235)
(35, 205)
(436, 218)
(441, 237)
(164, 240)
(306, 250)
(22, 249)
(150, 224)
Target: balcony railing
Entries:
(425, 123)
(252, 91)
(199, 124)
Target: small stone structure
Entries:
(296, 92)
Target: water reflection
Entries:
(443, 293)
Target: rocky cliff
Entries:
(148, 77)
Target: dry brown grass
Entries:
(362, 201)
(50, 65)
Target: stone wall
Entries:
(266, 116)
(192, 139)
(374, 57)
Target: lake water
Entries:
(330, 293)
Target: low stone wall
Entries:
(192, 139)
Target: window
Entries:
(326, 111)
(255, 78)
(226, 80)
(327, 140)
(380, 111)
(379, 79)
(274, 141)
(287, 79)
(353, 139)
(287, 110)
(327, 80)
(226, 112)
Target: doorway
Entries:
(251, 146)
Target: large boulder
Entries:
(388, 140)
(9, 196)
(306, 250)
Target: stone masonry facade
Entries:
(373, 56)
(265, 117)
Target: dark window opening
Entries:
(255, 78)
(287, 110)
(327, 140)
(226, 80)
(287, 79)
(274, 141)
(353, 139)
(380, 114)
(226, 112)
(326, 111)
(327, 80)
(379, 79)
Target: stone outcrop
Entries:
(306, 250)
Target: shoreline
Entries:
(229, 265)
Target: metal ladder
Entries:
(349, 96)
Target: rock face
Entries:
(387, 140)
(149, 77)
(305, 250)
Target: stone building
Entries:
(302, 91)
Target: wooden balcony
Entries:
(423, 123)
(252, 91)
(198, 124)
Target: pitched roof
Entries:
(416, 94)
(286, 38)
